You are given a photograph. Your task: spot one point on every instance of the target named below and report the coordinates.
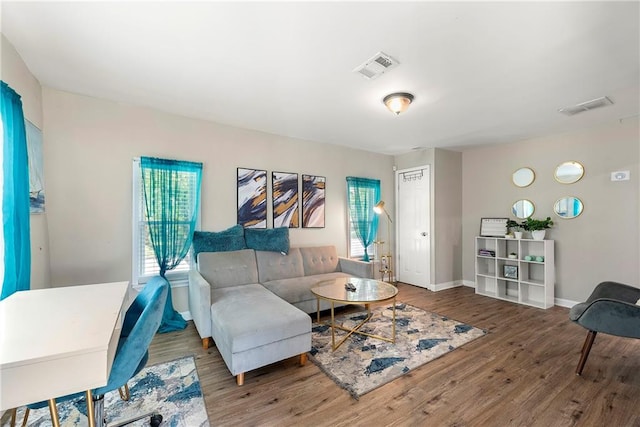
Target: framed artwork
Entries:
(511, 271)
(284, 190)
(36, 172)
(313, 188)
(252, 198)
(493, 227)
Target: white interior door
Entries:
(413, 226)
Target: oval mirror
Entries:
(568, 207)
(523, 209)
(569, 172)
(523, 177)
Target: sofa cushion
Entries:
(245, 317)
(231, 239)
(298, 289)
(269, 239)
(319, 260)
(225, 269)
(275, 266)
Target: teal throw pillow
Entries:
(231, 239)
(268, 239)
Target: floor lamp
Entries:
(387, 259)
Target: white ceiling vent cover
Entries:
(376, 66)
(586, 106)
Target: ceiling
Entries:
(481, 72)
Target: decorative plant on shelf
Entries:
(514, 226)
(537, 227)
(515, 229)
(531, 224)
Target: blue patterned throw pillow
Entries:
(268, 239)
(231, 239)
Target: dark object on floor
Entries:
(156, 420)
(611, 309)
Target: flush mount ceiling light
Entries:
(398, 102)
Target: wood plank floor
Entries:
(520, 374)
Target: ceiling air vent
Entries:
(376, 66)
(586, 106)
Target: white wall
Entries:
(16, 74)
(603, 242)
(447, 218)
(89, 151)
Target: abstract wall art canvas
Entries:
(313, 188)
(285, 200)
(252, 198)
(36, 170)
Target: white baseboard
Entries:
(186, 315)
(442, 286)
(565, 302)
(469, 284)
(561, 302)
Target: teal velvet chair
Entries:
(141, 323)
(611, 309)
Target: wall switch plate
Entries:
(620, 176)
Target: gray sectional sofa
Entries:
(254, 304)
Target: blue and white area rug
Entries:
(171, 389)
(362, 364)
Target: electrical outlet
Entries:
(620, 176)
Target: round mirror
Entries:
(568, 207)
(522, 209)
(523, 177)
(569, 172)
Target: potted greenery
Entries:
(537, 227)
(515, 228)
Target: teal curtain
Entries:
(15, 195)
(172, 197)
(362, 196)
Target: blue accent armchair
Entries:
(611, 308)
(141, 323)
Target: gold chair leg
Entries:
(240, 378)
(13, 412)
(54, 413)
(26, 417)
(303, 359)
(124, 392)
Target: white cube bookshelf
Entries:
(534, 282)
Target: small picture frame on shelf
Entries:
(511, 271)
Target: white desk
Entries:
(58, 341)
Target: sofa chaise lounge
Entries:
(255, 304)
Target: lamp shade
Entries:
(379, 207)
(398, 102)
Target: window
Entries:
(144, 263)
(362, 195)
(356, 250)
